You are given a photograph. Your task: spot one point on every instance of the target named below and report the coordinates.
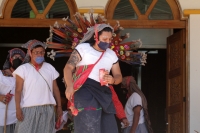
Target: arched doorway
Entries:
(160, 14)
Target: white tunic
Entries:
(89, 56)
(7, 84)
(35, 89)
(133, 101)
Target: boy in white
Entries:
(135, 114)
(136, 108)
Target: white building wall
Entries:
(194, 73)
(156, 40)
(194, 65)
(189, 4)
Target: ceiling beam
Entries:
(168, 24)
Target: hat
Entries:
(29, 46)
(11, 53)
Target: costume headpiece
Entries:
(91, 31)
(11, 53)
(63, 39)
(29, 46)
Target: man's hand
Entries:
(125, 122)
(69, 93)
(6, 98)
(59, 111)
(108, 78)
(19, 114)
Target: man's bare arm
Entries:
(68, 70)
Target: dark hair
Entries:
(37, 46)
(91, 41)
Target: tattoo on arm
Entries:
(74, 58)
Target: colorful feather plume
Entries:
(63, 39)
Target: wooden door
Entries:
(176, 97)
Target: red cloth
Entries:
(118, 105)
(79, 78)
(81, 75)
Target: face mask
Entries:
(103, 45)
(39, 60)
(16, 63)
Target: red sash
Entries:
(79, 78)
(82, 73)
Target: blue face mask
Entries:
(39, 60)
(103, 45)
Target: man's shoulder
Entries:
(111, 52)
(46, 64)
(25, 65)
(135, 96)
(82, 45)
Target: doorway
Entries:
(153, 75)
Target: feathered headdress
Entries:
(63, 39)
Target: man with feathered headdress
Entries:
(36, 92)
(94, 101)
(7, 90)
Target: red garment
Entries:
(118, 105)
(80, 76)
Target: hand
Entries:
(125, 122)
(6, 98)
(19, 114)
(108, 78)
(69, 93)
(59, 111)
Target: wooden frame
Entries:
(156, 24)
(46, 10)
(39, 21)
(2, 7)
(143, 21)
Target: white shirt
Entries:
(35, 89)
(133, 101)
(7, 84)
(89, 56)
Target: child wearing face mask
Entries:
(7, 90)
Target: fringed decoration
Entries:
(63, 39)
